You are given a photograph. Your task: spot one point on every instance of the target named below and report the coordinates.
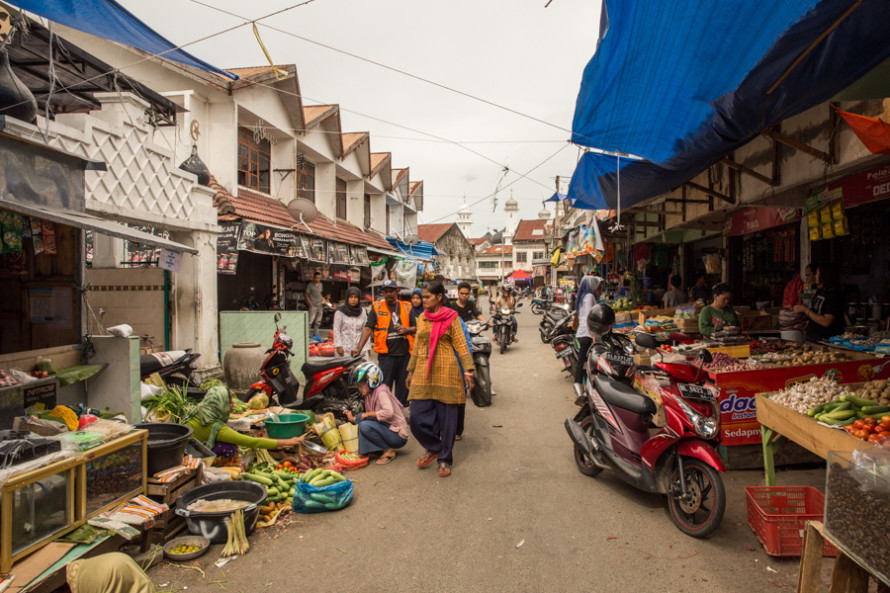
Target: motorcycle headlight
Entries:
(705, 426)
(505, 311)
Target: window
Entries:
(538, 255)
(305, 179)
(367, 211)
(488, 264)
(341, 198)
(254, 161)
(521, 257)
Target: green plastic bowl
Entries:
(287, 427)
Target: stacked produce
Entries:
(279, 483)
(724, 363)
(800, 356)
(802, 397)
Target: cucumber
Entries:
(838, 422)
(282, 485)
(257, 478)
(320, 497)
(322, 482)
(333, 506)
(817, 410)
(272, 491)
(839, 415)
(286, 476)
(314, 504)
(857, 401)
(832, 404)
(875, 410)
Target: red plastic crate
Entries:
(778, 515)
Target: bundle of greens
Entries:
(173, 403)
(236, 544)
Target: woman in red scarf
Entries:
(439, 373)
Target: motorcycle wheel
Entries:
(584, 462)
(537, 309)
(503, 341)
(483, 386)
(543, 335)
(701, 512)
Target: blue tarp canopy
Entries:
(421, 249)
(109, 20)
(682, 83)
(557, 197)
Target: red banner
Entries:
(753, 219)
(866, 186)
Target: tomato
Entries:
(860, 434)
(886, 421)
(858, 424)
(850, 428)
(875, 438)
(870, 420)
(868, 428)
(279, 466)
(880, 428)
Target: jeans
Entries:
(395, 373)
(315, 314)
(374, 435)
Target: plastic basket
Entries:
(778, 515)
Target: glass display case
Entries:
(857, 505)
(35, 508)
(113, 473)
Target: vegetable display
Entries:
(802, 397)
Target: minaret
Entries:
(544, 214)
(511, 208)
(465, 219)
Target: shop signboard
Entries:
(341, 253)
(319, 250)
(227, 249)
(260, 238)
(738, 413)
(753, 219)
(864, 187)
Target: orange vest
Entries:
(381, 330)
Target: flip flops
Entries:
(384, 459)
(427, 458)
(444, 470)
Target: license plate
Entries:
(563, 353)
(691, 391)
(620, 359)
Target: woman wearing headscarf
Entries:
(114, 572)
(416, 302)
(208, 424)
(588, 292)
(439, 373)
(349, 319)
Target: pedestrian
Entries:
(675, 295)
(467, 311)
(349, 320)
(416, 302)
(439, 374)
(700, 291)
(316, 301)
(589, 291)
(382, 426)
(393, 326)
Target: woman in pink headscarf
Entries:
(440, 372)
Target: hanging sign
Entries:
(227, 249)
(170, 260)
(260, 238)
(753, 219)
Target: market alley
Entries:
(515, 516)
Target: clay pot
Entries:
(241, 364)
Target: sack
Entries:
(309, 499)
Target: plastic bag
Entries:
(309, 499)
(351, 460)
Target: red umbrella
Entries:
(519, 275)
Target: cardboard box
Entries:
(644, 315)
(756, 320)
(686, 325)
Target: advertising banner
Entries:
(227, 249)
(259, 238)
(753, 219)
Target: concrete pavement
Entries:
(514, 516)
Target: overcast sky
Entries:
(514, 53)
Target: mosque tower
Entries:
(465, 219)
(511, 208)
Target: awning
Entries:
(109, 20)
(680, 105)
(422, 250)
(396, 254)
(89, 222)
(557, 197)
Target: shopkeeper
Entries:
(825, 317)
(719, 313)
(208, 423)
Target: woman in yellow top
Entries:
(439, 373)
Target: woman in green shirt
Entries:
(208, 423)
(719, 313)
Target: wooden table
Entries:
(777, 421)
(849, 575)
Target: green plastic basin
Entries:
(287, 427)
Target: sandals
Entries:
(384, 459)
(444, 470)
(427, 458)
(458, 437)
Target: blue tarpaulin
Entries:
(421, 249)
(682, 95)
(557, 197)
(109, 20)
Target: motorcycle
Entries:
(481, 393)
(503, 326)
(564, 345)
(327, 387)
(174, 366)
(551, 318)
(560, 327)
(679, 458)
(540, 305)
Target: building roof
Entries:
(313, 114)
(499, 249)
(397, 175)
(432, 232)
(255, 206)
(478, 240)
(378, 159)
(254, 70)
(530, 230)
(352, 140)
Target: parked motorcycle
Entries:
(327, 386)
(481, 393)
(503, 326)
(540, 305)
(560, 327)
(552, 317)
(174, 366)
(564, 345)
(679, 459)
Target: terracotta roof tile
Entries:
(432, 232)
(255, 206)
(314, 113)
(352, 140)
(378, 159)
(530, 230)
(478, 241)
(499, 249)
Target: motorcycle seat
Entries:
(623, 396)
(152, 363)
(313, 367)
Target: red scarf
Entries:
(441, 322)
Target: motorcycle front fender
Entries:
(480, 360)
(702, 451)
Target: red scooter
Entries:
(327, 388)
(679, 459)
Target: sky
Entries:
(513, 53)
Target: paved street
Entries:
(515, 516)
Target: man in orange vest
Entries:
(393, 327)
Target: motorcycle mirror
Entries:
(646, 341)
(277, 317)
(706, 356)
(519, 305)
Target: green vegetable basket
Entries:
(287, 426)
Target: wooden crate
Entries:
(802, 429)
(648, 313)
(168, 492)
